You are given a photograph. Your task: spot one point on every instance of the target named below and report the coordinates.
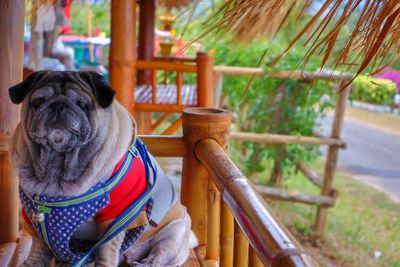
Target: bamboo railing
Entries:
(232, 222)
(198, 95)
(202, 67)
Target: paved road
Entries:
(372, 156)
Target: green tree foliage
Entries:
(272, 105)
(372, 90)
(101, 14)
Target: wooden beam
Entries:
(123, 51)
(12, 14)
(305, 75)
(147, 12)
(279, 194)
(164, 146)
(164, 65)
(285, 139)
(331, 159)
(162, 119)
(173, 127)
(160, 107)
(232, 70)
(311, 175)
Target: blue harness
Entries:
(63, 215)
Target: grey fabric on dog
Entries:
(164, 196)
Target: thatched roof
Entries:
(374, 32)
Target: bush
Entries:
(373, 90)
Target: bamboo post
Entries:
(205, 93)
(218, 83)
(241, 248)
(200, 123)
(227, 234)
(213, 222)
(272, 241)
(331, 160)
(254, 260)
(12, 14)
(147, 12)
(123, 51)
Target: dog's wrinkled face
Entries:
(60, 116)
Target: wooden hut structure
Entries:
(231, 221)
(142, 67)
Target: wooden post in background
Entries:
(200, 123)
(147, 13)
(331, 159)
(12, 14)
(205, 80)
(123, 51)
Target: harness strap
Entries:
(107, 187)
(130, 214)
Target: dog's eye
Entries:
(82, 105)
(37, 102)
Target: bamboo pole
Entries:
(227, 234)
(164, 146)
(200, 123)
(311, 175)
(254, 260)
(305, 75)
(285, 139)
(147, 13)
(12, 14)
(164, 65)
(123, 51)
(279, 194)
(205, 80)
(331, 160)
(213, 222)
(233, 70)
(270, 239)
(241, 248)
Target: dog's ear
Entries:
(102, 90)
(18, 92)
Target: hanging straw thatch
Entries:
(175, 3)
(373, 40)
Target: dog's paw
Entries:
(38, 260)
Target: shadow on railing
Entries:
(239, 230)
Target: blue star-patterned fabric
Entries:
(62, 222)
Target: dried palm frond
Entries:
(175, 3)
(374, 37)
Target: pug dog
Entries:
(91, 193)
